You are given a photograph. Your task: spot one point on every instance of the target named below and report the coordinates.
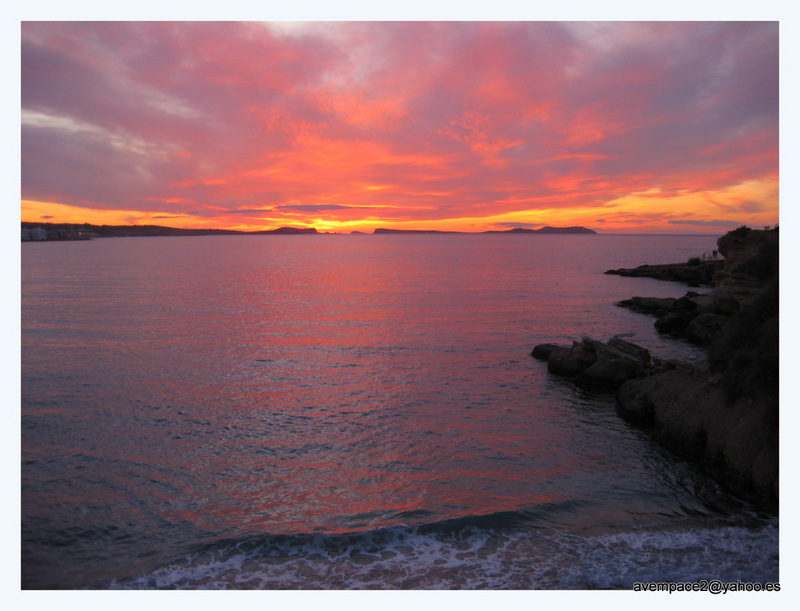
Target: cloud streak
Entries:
(424, 124)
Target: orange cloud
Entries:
(440, 125)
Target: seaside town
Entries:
(40, 234)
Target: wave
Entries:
(506, 550)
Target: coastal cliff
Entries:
(723, 413)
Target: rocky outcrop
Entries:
(750, 256)
(696, 272)
(744, 246)
(686, 409)
(723, 414)
(594, 364)
(751, 260)
(698, 318)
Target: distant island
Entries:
(548, 229)
(558, 230)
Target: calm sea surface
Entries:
(351, 412)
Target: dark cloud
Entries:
(522, 225)
(702, 222)
(315, 207)
(249, 211)
(751, 206)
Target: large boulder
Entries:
(563, 361)
(594, 364)
(657, 306)
(609, 373)
(543, 351)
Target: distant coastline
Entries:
(86, 231)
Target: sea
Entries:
(353, 412)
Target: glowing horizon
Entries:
(620, 127)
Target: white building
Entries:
(35, 234)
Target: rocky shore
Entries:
(696, 272)
(723, 413)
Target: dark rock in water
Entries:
(565, 362)
(737, 442)
(616, 362)
(695, 273)
(594, 364)
(542, 351)
(676, 317)
(609, 373)
(700, 318)
(650, 305)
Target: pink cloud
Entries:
(436, 120)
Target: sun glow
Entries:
(448, 126)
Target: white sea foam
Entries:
(476, 558)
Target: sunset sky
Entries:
(668, 127)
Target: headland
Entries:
(723, 413)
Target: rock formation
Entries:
(722, 413)
(696, 272)
(594, 364)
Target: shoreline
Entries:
(721, 414)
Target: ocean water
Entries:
(352, 412)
